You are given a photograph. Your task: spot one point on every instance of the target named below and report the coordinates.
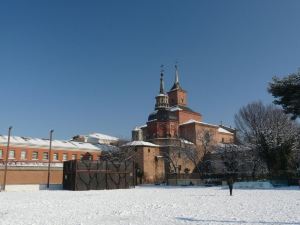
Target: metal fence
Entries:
(283, 177)
(98, 175)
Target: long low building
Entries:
(36, 149)
(28, 158)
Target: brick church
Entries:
(171, 126)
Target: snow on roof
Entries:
(140, 127)
(186, 142)
(44, 143)
(103, 137)
(161, 94)
(176, 108)
(220, 129)
(195, 121)
(140, 143)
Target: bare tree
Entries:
(268, 131)
(198, 155)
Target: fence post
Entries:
(126, 175)
(106, 170)
(133, 174)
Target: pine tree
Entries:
(287, 93)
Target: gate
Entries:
(79, 175)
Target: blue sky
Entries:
(93, 66)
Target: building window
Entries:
(148, 150)
(65, 157)
(35, 155)
(74, 157)
(11, 154)
(81, 156)
(55, 156)
(222, 140)
(179, 155)
(1, 153)
(45, 156)
(23, 154)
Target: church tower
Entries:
(162, 99)
(177, 96)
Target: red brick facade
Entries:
(173, 124)
(41, 155)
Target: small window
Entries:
(11, 154)
(179, 155)
(148, 150)
(74, 157)
(65, 157)
(55, 156)
(222, 140)
(23, 154)
(1, 153)
(35, 155)
(45, 156)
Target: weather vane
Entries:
(162, 68)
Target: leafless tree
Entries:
(270, 132)
(173, 157)
(198, 155)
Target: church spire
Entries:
(162, 99)
(176, 83)
(162, 86)
(176, 75)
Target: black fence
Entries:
(281, 178)
(79, 175)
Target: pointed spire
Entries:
(162, 99)
(176, 75)
(176, 84)
(162, 86)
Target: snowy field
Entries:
(152, 205)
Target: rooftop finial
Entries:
(162, 88)
(176, 84)
(176, 74)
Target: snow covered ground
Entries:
(152, 205)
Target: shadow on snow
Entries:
(235, 221)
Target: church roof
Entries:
(162, 115)
(180, 107)
(220, 129)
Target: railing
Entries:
(282, 177)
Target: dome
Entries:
(162, 115)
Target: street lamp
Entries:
(49, 158)
(6, 157)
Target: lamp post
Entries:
(6, 157)
(49, 158)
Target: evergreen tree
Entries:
(287, 93)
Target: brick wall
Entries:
(177, 97)
(184, 116)
(33, 175)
